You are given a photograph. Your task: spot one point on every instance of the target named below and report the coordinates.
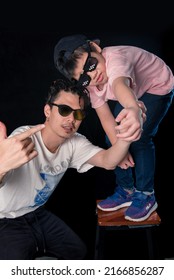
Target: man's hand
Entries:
(16, 150)
(143, 108)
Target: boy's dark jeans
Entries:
(143, 150)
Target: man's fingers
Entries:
(32, 155)
(3, 131)
(30, 152)
(29, 132)
(142, 106)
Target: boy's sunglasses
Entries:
(65, 110)
(90, 65)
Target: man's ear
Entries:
(95, 47)
(47, 111)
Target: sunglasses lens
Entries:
(91, 64)
(64, 110)
(84, 80)
(79, 115)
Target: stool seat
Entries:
(115, 220)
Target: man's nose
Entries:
(71, 116)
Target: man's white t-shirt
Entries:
(29, 186)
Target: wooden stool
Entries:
(114, 220)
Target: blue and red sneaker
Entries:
(121, 198)
(141, 207)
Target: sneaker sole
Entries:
(116, 207)
(145, 217)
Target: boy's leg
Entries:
(124, 183)
(143, 152)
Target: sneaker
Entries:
(141, 208)
(121, 198)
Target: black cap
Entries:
(68, 45)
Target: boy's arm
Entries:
(108, 122)
(132, 113)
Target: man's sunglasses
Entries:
(90, 65)
(65, 110)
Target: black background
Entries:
(28, 35)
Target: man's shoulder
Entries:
(21, 129)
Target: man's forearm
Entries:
(116, 153)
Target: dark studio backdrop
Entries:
(26, 71)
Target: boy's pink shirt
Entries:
(147, 72)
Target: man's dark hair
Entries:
(58, 85)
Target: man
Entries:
(26, 228)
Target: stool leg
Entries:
(96, 243)
(99, 243)
(150, 243)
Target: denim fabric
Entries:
(143, 150)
